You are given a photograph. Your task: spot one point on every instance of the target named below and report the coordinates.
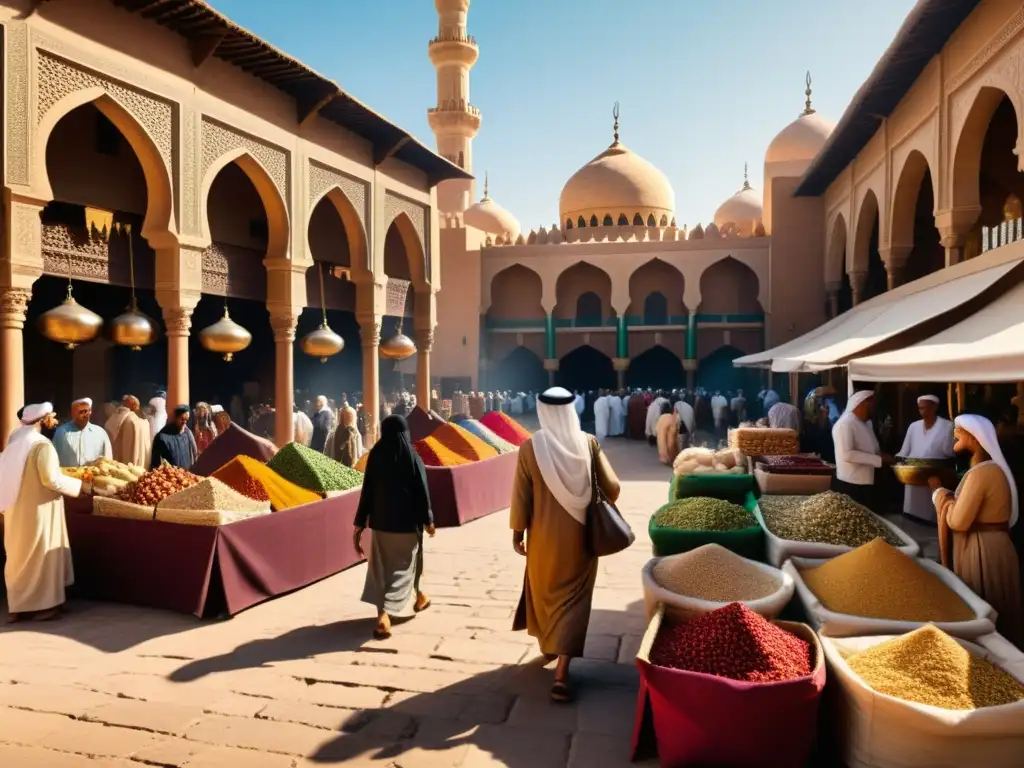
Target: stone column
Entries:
(369, 334)
(858, 282)
(690, 366)
(549, 336)
(551, 366)
(621, 365)
(832, 291)
(284, 377)
(424, 343)
(895, 259)
(954, 225)
(178, 320)
(794, 389)
(691, 338)
(13, 306)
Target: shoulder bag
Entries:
(607, 531)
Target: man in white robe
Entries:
(857, 451)
(686, 416)
(738, 405)
(653, 414)
(129, 433)
(157, 413)
(602, 414)
(80, 442)
(616, 416)
(578, 404)
(929, 438)
(39, 563)
(720, 408)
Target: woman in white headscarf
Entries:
(549, 510)
(975, 523)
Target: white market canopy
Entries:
(888, 315)
(986, 348)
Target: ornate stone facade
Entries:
(13, 307)
(178, 321)
(418, 215)
(230, 270)
(322, 179)
(17, 97)
(219, 139)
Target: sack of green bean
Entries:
(926, 700)
(688, 523)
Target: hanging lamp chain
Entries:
(323, 302)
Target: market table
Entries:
(210, 570)
(467, 492)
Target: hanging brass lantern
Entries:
(225, 337)
(398, 347)
(323, 342)
(70, 324)
(132, 328)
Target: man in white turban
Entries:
(157, 413)
(857, 451)
(929, 438)
(35, 533)
(80, 442)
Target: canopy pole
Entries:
(949, 400)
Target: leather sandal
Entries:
(560, 692)
(422, 603)
(383, 629)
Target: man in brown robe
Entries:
(129, 433)
(550, 497)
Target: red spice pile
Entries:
(736, 643)
(505, 427)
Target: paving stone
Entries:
(544, 714)
(262, 735)
(629, 648)
(157, 716)
(313, 715)
(606, 711)
(169, 751)
(97, 739)
(228, 757)
(496, 746)
(602, 647)
(64, 700)
(37, 757)
(599, 751)
(440, 705)
(236, 705)
(21, 727)
(488, 652)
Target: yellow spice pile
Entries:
(712, 572)
(878, 581)
(927, 666)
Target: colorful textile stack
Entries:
(257, 481)
(505, 427)
(497, 443)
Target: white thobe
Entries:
(617, 419)
(157, 415)
(857, 453)
(78, 447)
(653, 413)
(601, 416)
(303, 428)
(686, 415)
(578, 405)
(720, 408)
(922, 443)
(39, 563)
(771, 397)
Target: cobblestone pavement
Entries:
(298, 682)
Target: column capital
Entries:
(14, 307)
(424, 340)
(895, 255)
(957, 220)
(283, 325)
(690, 364)
(369, 331)
(620, 363)
(551, 364)
(178, 320)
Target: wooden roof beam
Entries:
(383, 150)
(202, 47)
(310, 101)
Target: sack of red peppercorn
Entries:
(886, 731)
(764, 713)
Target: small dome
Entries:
(489, 217)
(618, 182)
(802, 139)
(741, 213)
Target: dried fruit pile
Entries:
(736, 643)
(313, 471)
(825, 518)
(878, 581)
(257, 481)
(157, 484)
(505, 427)
(703, 513)
(928, 666)
(712, 572)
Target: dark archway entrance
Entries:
(519, 371)
(716, 372)
(657, 368)
(584, 369)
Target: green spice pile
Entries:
(313, 471)
(825, 518)
(929, 667)
(702, 513)
(714, 573)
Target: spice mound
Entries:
(505, 427)
(825, 518)
(256, 481)
(465, 444)
(736, 643)
(312, 470)
(927, 666)
(702, 513)
(157, 484)
(712, 572)
(877, 581)
(211, 493)
(497, 443)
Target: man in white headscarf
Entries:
(157, 413)
(79, 441)
(785, 416)
(687, 417)
(857, 451)
(720, 408)
(303, 428)
(654, 411)
(616, 415)
(35, 533)
(129, 433)
(550, 496)
(931, 437)
(602, 415)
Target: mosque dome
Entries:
(620, 186)
(489, 217)
(802, 139)
(741, 213)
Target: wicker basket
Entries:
(918, 476)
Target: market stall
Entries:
(467, 492)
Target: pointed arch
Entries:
(656, 277)
(623, 221)
(359, 254)
(159, 226)
(580, 279)
(965, 179)
(904, 199)
(413, 249)
(864, 232)
(581, 223)
(273, 202)
(835, 258)
(638, 220)
(515, 293)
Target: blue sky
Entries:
(704, 85)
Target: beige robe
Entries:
(558, 585)
(36, 537)
(984, 560)
(667, 430)
(132, 443)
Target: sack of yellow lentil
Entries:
(877, 590)
(883, 731)
(822, 526)
(704, 579)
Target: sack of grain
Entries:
(713, 571)
(103, 506)
(778, 550)
(836, 624)
(881, 731)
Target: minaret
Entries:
(454, 120)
